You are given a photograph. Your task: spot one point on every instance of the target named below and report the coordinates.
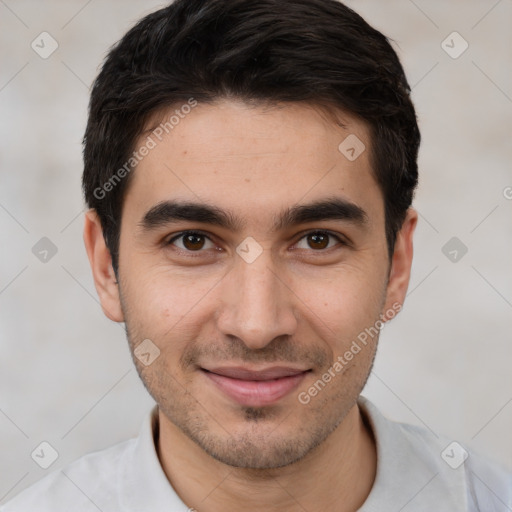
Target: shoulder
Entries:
(488, 485)
(449, 469)
(71, 488)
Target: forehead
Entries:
(254, 159)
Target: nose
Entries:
(257, 305)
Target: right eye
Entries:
(191, 241)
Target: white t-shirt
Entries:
(416, 471)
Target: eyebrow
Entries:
(168, 212)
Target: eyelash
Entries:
(340, 240)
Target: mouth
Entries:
(255, 388)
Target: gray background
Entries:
(66, 376)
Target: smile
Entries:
(255, 388)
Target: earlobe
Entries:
(101, 265)
(401, 262)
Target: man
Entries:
(250, 168)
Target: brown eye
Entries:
(319, 240)
(191, 241)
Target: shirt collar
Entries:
(146, 484)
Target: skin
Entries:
(295, 304)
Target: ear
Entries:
(400, 270)
(101, 266)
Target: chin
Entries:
(256, 454)
(257, 444)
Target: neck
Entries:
(336, 476)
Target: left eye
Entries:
(192, 241)
(319, 240)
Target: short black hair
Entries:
(318, 52)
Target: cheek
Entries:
(345, 300)
(167, 305)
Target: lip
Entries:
(255, 388)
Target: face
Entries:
(252, 256)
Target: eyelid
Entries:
(188, 232)
(344, 241)
(176, 236)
